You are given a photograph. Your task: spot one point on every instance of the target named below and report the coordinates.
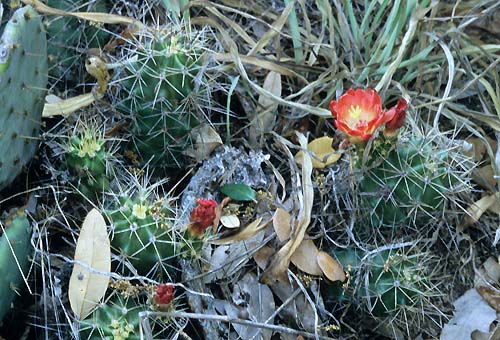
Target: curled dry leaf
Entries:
(330, 267)
(262, 256)
(477, 209)
(86, 287)
(206, 140)
(490, 295)
(322, 153)
(244, 234)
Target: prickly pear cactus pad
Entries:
(14, 237)
(23, 78)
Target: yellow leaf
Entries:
(86, 287)
(322, 153)
(281, 224)
(330, 267)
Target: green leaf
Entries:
(239, 192)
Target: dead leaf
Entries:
(490, 295)
(86, 288)
(230, 221)
(471, 313)
(322, 153)
(304, 257)
(279, 265)
(330, 267)
(281, 224)
(477, 209)
(262, 256)
(206, 140)
(265, 118)
(218, 213)
(485, 177)
(244, 234)
(67, 106)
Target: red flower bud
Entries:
(395, 123)
(202, 216)
(164, 294)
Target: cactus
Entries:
(117, 319)
(14, 251)
(156, 91)
(87, 158)
(394, 280)
(142, 233)
(411, 183)
(67, 37)
(23, 78)
(385, 282)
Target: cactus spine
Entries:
(23, 78)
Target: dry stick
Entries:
(227, 319)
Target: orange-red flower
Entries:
(398, 120)
(359, 113)
(202, 216)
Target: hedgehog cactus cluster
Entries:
(23, 78)
(157, 90)
(87, 157)
(403, 180)
(142, 232)
(393, 281)
(411, 184)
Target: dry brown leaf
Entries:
(477, 209)
(218, 213)
(490, 295)
(230, 221)
(322, 153)
(262, 256)
(281, 224)
(244, 234)
(86, 288)
(484, 176)
(280, 262)
(330, 267)
(206, 140)
(304, 257)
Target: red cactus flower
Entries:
(359, 113)
(202, 216)
(164, 294)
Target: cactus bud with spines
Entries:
(14, 237)
(23, 79)
(157, 90)
(142, 229)
(88, 158)
(116, 319)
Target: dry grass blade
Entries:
(103, 18)
(279, 265)
(68, 106)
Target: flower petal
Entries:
(398, 118)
